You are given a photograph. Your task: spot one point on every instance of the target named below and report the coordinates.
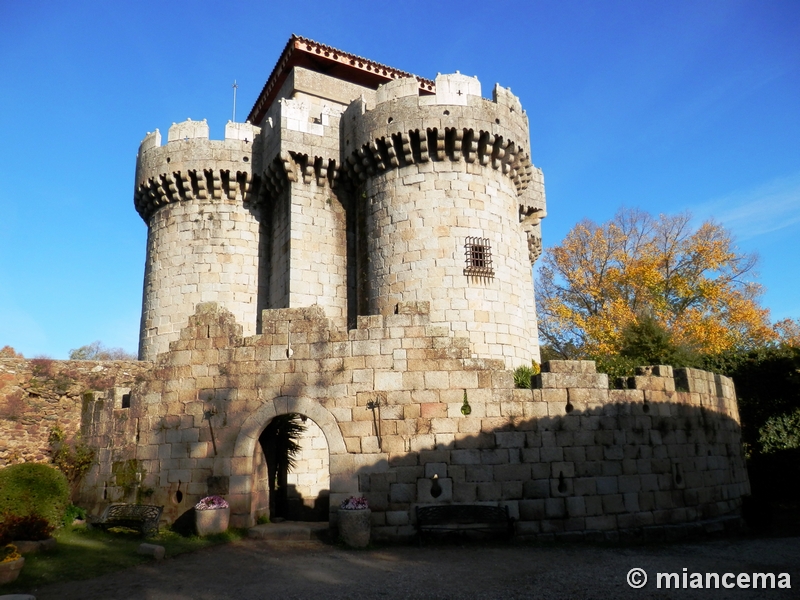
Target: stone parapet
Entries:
(190, 166)
(398, 400)
(454, 124)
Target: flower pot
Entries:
(209, 522)
(32, 547)
(354, 527)
(10, 570)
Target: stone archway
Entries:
(244, 492)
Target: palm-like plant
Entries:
(279, 441)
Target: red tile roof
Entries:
(324, 59)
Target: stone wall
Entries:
(399, 400)
(37, 394)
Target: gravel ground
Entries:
(252, 569)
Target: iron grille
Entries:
(478, 253)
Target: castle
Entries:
(359, 253)
(355, 188)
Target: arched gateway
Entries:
(246, 454)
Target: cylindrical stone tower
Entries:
(449, 198)
(203, 234)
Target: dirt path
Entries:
(253, 569)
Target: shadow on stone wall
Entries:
(622, 467)
(299, 508)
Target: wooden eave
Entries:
(302, 52)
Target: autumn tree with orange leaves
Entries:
(604, 278)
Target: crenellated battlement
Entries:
(191, 166)
(456, 124)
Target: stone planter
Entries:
(209, 522)
(354, 527)
(9, 571)
(30, 547)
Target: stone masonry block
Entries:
(531, 510)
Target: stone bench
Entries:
(142, 517)
(464, 519)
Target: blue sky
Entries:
(667, 106)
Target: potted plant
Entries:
(354, 521)
(211, 514)
(11, 563)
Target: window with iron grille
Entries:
(478, 253)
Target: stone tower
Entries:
(356, 187)
(203, 235)
(447, 190)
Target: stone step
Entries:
(288, 531)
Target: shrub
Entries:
(42, 366)
(34, 489)
(73, 512)
(647, 342)
(9, 352)
(618, 368)
(72, 457)
(98, 351)
(523, 375)
(13, 406)
(780, 432)
(29, 527)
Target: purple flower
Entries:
(211, 503)
(353, 503)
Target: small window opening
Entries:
(126, 400)
(478, 254)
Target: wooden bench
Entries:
(464, 519)
(142, 517)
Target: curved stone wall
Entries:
(445, 179)
(419, 220)
(203, 230)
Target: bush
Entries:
(618, 368)
(74, 512)
(34, 489)
(97, 351)
(780, 432)
(71, 456)
(523, 375)
(30, 527)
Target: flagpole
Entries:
(235, 87)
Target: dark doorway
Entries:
(280, 444)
